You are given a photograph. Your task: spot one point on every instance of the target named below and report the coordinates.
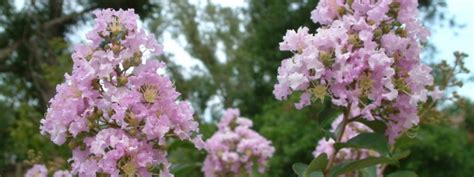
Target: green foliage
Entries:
(350, 166)
(437, 151)
(402, 174)
(315, 168)
(369, 171)
(375, 141)
(299, 168)
(292, 133)
(317, 164)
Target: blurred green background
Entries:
(227, 56)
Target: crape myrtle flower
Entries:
(365, 57)
(40, 170)
(235, 149)
(114, 110)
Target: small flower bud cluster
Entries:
(365, 58)
(235, 149)
(115, 111)
(40, 170)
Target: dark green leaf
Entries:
(403, 174)
(375, 141)
(326, 116)
(400, 155)
(376, 125)
(318, 164)
(299, 168)
(350, 166)
(369, 171)
(316, 174)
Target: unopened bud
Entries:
(122, 80)
(116, 48)
(73, 144)
(137, 58)
(132, 132)
(378, 33)
(402, 32)
(386, 28)
(341, 11)
(355, 41)
(96, 84)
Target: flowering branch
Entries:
(366, 59)
(115, 110)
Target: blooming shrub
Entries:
(115, 111)
(365, 58)
(235, 149)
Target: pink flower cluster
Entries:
(115, 110)
(365, 57)
(235, 149)
(40, 170)
(352, 129)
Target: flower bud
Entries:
(122, 80)
(355, 41)
(116, 48)
(137, 58)
(378, 33)
(73, 144)
(386, 28)
(402, 32)
(96, 84)
(341, 11)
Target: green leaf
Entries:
(400, 155)
(317, 164)
(375, 141)
(403, 174)
(316, 174)
(369, 171)
(182, 168)
(376, 125)
(326, 116)
(299, 168)
(349, 166)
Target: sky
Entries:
(448, 39)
